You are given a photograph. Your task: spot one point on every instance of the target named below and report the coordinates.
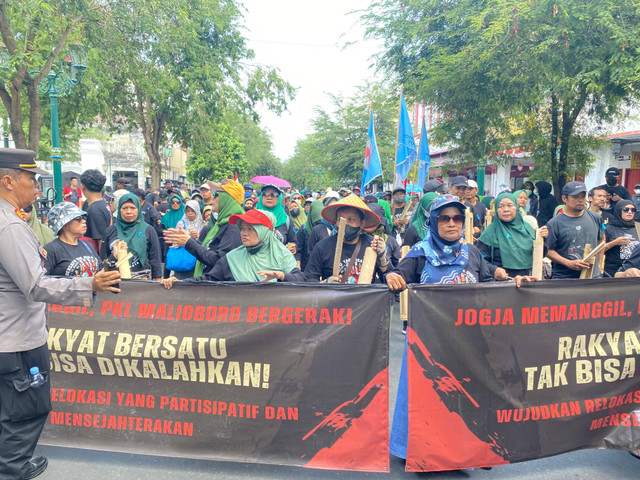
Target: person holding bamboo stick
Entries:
(350, 255)
(571, 231)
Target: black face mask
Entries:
(351, 233)
(295, 212)
(398, 199)
(612, 181)
(247, 208)
(256, 248)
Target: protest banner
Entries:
(500, 375)
(271, 373)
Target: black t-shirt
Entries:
(615, 256)
(411, 236)
(569, 235)
(67, 260)
(98, 219)
(163, 207)
(319, 232)
(320, 264)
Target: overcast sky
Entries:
(305, 41)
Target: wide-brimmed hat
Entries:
(370, 220)
(233, 188)
(61, 214)
(254, 217)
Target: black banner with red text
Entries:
(500, 375)
(282, 374)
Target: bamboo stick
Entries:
(538, 256)
(468, 226)
(586, 272)
(342, 224)
(368, 265)
(123, 255)
(404, 295)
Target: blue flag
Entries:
(423, 156)
(372, 166)
(406, 150)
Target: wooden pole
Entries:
(342, 224)
(488, 219)
(404, 295)
(538, 256)
(468, 226)
(587, 272)
(368, 265)
(395, 162)
(123, 256)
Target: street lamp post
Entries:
(59, 82)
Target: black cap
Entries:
(399, 189)
(612, 172)
(138, 192)
(432, 185)
(20, 159)
(459, 181)
(573, 188)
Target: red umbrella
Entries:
(271, 180)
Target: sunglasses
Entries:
(175, 202)
(446, 219)
(270, 195)
(629, 209)
(78, 219)
(28, 209)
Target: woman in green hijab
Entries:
(221, 237)
(260, 258)
(42, 231)
(270, 200)
(141, 238)
(418, 222)
(175, 213)
(508, 241)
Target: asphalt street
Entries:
(76, 464)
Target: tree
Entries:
(36, 34)
(511, 73)
(334, 153)
(220, 157)
(168, 65)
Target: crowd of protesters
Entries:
(225, 231)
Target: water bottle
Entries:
(37, 380)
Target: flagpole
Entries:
(395, 162)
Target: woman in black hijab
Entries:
(546, 203)
(621, 235)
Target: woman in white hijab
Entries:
(192, 218)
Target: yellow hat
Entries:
(330, 213)
(233, 188)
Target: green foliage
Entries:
(218, 158)
(514, 72)
(333, 154)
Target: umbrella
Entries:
(270, 180)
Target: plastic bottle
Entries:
(37, 380)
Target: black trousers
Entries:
(23, 409)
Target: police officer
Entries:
(24, 291)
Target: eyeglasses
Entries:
(629, 209)
(447, 219)
(270, 195)
(175, 202)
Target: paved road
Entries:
(77, 464)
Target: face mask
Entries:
(637, 190)
(247, 208)
(256, 248)
(351, 233)
(398, 199)
(295, 212)
(215, 215)
(611, 181)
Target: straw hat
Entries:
(370, 219)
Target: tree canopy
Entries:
(505, 73)
(333, 154)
